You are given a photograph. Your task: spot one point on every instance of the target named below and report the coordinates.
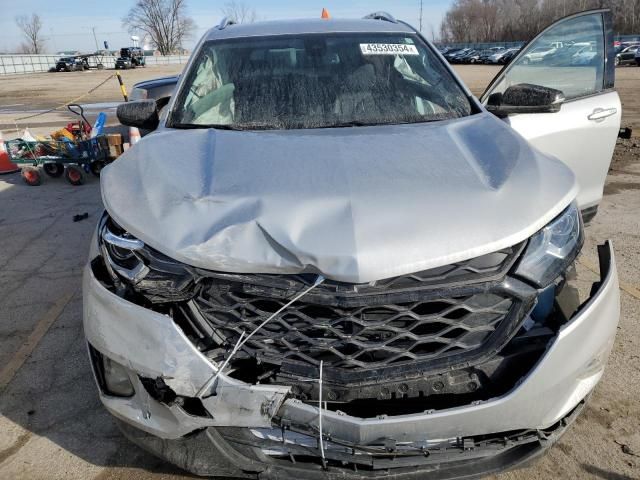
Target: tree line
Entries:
(165, 24)
(477, 21)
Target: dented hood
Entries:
(355, 204)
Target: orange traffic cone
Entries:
(325, 14)
(5, 164)
(134, 135)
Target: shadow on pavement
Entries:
(51, 419)
(601, 473)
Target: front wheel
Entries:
(54, 170)
(74, 175)
(96, 167)
(617, 61)
(31, 176)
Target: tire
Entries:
(96, 167)
(31, 176)
(54, 170)
(617, 61)
(74, 175)
(100, 66)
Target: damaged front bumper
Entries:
(258, 430)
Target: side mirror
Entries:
(142, 114)
(525, 98)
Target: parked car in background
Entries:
(158, 89)
(638, 57)
(479, 56)
(453, 55)
(508, 55)
(539, 54)
(71, 64)
(130, 57)
(627, 56)
(622, 45)
(502, 56)
(585, 55)
(465, 57)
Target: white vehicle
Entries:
(538, 54)
(329, 260)
(584, 54)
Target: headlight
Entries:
(137, 268)
(121, 252)
(116, 378)
(553, 249)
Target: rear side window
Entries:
(569, 57)
(317, 81)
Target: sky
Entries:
(68, 25)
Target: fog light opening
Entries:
(116, 379)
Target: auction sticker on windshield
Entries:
(388, 49)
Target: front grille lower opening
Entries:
(404, 328)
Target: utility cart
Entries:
(71, 152)
(59, 157)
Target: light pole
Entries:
(421, 1)
(94, 38)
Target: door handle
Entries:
(599, 114)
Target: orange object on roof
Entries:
(325, 14)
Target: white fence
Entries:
(20, 64)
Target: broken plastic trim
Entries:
(243, 340)
(389, 454)
(467, 388)
(235, 452)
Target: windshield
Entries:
(317, 81)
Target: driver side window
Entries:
(568, 57)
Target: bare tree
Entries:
(165, 22)
(31, 29)
(515, 20)
(239, 11)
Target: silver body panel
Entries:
(355, 205)
(155, 346)
(313, 200)
(584, 145)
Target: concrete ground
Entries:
(52, 425)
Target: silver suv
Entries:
(330, 260)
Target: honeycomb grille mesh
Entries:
(365, 336)
(360, 326)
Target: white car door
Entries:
(583, 132)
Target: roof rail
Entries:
(226, 22)
(384, 16)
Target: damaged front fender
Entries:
(150, 345)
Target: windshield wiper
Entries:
(193, 126)
(235, 127)
(351, 123)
